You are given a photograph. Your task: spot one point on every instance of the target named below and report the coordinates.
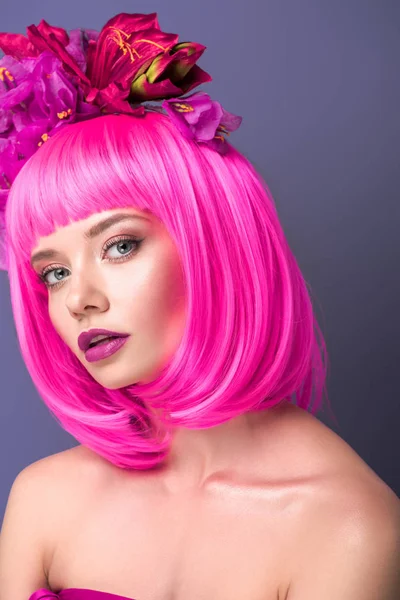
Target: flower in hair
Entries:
(130, 61)
(199, 118)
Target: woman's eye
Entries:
(122, 252)
(120, 247)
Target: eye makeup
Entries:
(127, 239)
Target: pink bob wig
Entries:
(251, 338)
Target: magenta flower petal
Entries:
(78, 45)
(230, 122)
(199, 118)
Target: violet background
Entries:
(317, 84)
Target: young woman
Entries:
(165, 323)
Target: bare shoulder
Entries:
(337, 469)
(38, 495)
(55, 483)
(343, 508)
(51, 471)
(76, 472)
(58, 487)
(311, 450)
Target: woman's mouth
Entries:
(103, 348)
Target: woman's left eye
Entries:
(119, 242)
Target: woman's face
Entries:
(129, 287)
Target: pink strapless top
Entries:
(75, 594)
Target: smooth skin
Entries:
(268, 506)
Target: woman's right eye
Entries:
(43, 276)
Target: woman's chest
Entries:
(226, 545)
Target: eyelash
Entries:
(107, 245)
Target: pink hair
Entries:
(251, 338)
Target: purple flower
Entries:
(199, 118)
(37, 97)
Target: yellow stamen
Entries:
(222, 129)
(5, 72)
(152, 43)
(64, 114)
(125, 47)
(183, 107)
(45, 137)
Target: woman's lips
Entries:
(86, 337)
(105, 349)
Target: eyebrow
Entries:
(91, 233)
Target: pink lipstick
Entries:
(100, 343)
(105, 348)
